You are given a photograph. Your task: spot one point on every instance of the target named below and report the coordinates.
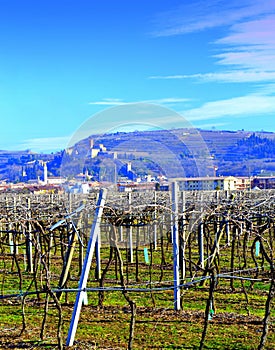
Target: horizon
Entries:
(134, 131)
(63, 62)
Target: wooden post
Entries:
(67, 263)
(175, 236)
(70, 201)
(86, 267)
(81, 253)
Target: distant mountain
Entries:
(174, 153)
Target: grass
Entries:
(158, 327)
(237, 324)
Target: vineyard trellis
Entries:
(222, 236)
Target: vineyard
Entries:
(140, 270)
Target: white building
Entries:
(224, 183)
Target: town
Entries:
(83, 183)
(96, 162)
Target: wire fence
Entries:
(223, 236)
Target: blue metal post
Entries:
(175, 236)
(86, 267)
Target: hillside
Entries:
(174, 153)
(187, 152)
(242, 153)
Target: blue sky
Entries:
(62, 61)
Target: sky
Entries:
(64, 61)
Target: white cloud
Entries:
(200, 15)
(267, 89)
(247, 50)
(168, 100)
(244, 106)
(179, 76)
(234, 76)
(258, 32)
(45, 144)
(108, 102)
(119, 102)
(249, 45)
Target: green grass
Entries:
(158, 327)
(235, 325)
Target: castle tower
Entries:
(45, 173)
(24, 173)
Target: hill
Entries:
(178, 152)
(183, 152)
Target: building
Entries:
(95, 150)
(224, 183)
(263, 183)
(55, 180)
(243, 183)
(136, 187)
(45, 173)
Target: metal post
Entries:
(154, 223)
(175, 236)
(227, 230)
(15, 240)
(201, 246)
(97, 255)
(86, 267)
(29, 238)
(183, 237)
(130, 232)
(130, 235)
(121, 233)
(11, 243)
(172, 227)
